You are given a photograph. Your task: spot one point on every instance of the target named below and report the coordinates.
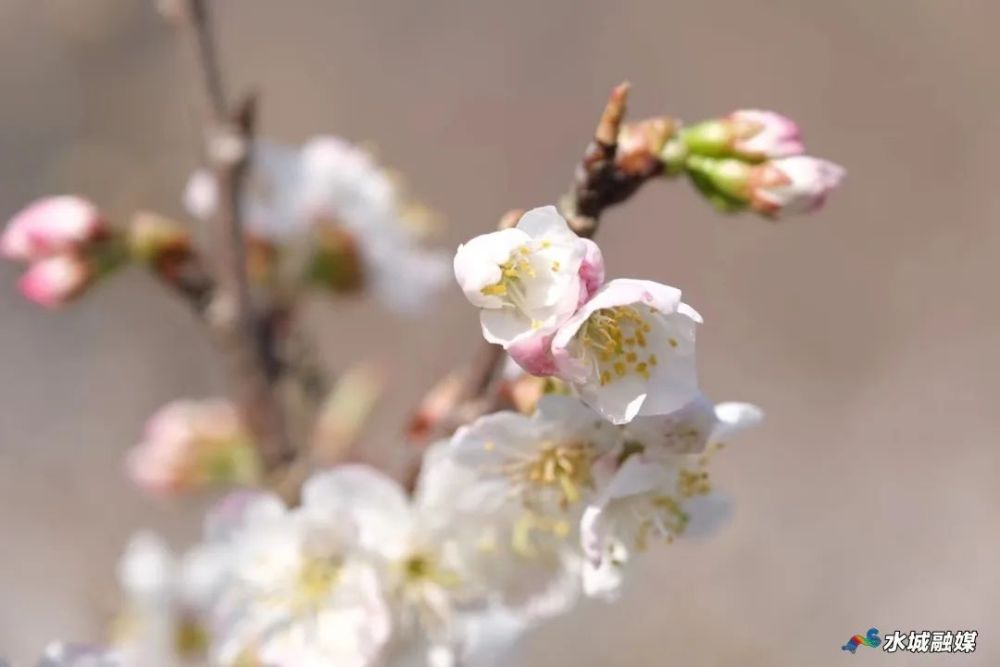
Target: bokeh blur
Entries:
(868, 332)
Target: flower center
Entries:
(616, 339)
(315, 579)
(663, 517)
(514, 272)
(420, 567)
(563, 466)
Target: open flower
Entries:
(56, 280)
(534, 475)
(416, 544)
(661, 489)
(193, 444)
(51, 226)
(297, 593)
(527, 281)
(329, 189)
(629, 351)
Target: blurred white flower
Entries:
(528, 280)
(163, 622)
(630, 350)
(331, 183)
(59, 654)
(661, 488)
(297, 594)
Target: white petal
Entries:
(373, 501)
(734, 417)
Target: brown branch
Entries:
(249, 336)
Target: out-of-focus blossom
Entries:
(331, 191)
(660, 489)
(748, 134)
(423, 564)
(164, 621)
(527, 281)
(56, 280)
(299, 591)
(60, 654)
(630, 350)
(193, 444)
(52, 226)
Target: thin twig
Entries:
(250, 336)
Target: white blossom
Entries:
(630, 350)
(297, 594)
(329, 182)
(527, 281)
(661, 488)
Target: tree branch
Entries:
(249, 336)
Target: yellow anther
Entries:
(555, 266)
(619, 369)
(630, 357)
(652, 360)
(673, 342)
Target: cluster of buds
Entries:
(748, 159)
(66, 243)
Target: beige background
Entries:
(869, 332)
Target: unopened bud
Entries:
(749, 134)
(191, 445)
(57, 280)
(640, 145)
(52, 226)
(797, 184)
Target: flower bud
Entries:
(640, 144)
(749, 134)
(157, 240)
(785, 186)
(191, 445)
(51, 226)
(56, 280)
(792, 185)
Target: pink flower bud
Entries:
(192, 444)
(50, 226)
(56, 280)
(759, 135)
(798, 184)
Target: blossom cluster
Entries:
(326, 216)
(513, 518)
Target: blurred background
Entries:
(868, 332)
